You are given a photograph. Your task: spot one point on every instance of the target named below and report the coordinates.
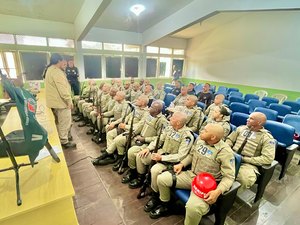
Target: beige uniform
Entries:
(224, 123)
(195, 116)
(112, 136)
(217, 160)
(180, 100)
(90, 92)
(133, 95)
(259, 150)
(58, 98)
(176, 147)
(148, 128)
(87, 107)
(159, 94)
(108, 107)
(103, 99)
(84, 94)
(149, 95)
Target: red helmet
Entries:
(203, 183)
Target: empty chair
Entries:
(284, 134)
(238, 119)
(201, 105)
(281, 109)
(239, 107)
(280, 97)
(232, 89)
(261, 93)
(248, 97)
(169, 85)
(270, 100)
(294, 121)
(270, 113)
(253, 103)
(168, 99)
(198, 88)
(168, 89)
(222, 89)
(212, 88)
(226, 102)
(235, 93)
(236, 99)
(295, 106)
(298, 100)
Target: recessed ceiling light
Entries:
(137, 9)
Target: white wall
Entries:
(257, 49)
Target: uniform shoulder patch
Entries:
(188, 140)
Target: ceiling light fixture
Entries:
(137, 9)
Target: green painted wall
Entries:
(246, 89)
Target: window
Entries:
(164, 67)
(113, 67)
(31, 40)
(131, 67)
(7, 39)
(8, 64)
(91, 45)
(165, 51)
(177, 67)
(63, 43)
(151, 67)
(131, 48)
(34, 64)
(92, 66)
(178, 51)
(112, 47)
(151, 49)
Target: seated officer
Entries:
(256, 146)
(146, 130)
(194, 114)
(177, 140)
(148, 91)
(135, 91)
(181, 98)
(159, 93)
(209, 154)
(177, 88)
(218, 101)
(220, 116)
(115, 135)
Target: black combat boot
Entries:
(161, 210)
(90, 131)
(118, 163)
(153, 202)
(138, 182)
(84, 122)
(79, 118)
(109, 159)
(104, 155)
(131, 174)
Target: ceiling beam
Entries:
(201, 9)
(88, 15)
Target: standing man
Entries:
(72, 76)
(58, 98)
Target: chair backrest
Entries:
(168, 89)
(294, 121)
(283, 133)
(198, 88)
(270, 100)
(280, 97)
(201, 105)
(232, 89)
(236, 99)
(169, 85)
(226, 102)
(253, 103)
(239, 107)
(270, 113)
(247, 97)
(232, 127)
(294, 105)
(261, 93)
(298, 100)
(281, 109)
(238, 119)
(222, 89)
(168, 99)
(238, 162)
(212, 88)
(235, 93)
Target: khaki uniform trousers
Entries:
(63, 121)
(93, 116)
(105, 121)
(195, 207)
(246, 175)
(119, 142)
(110, 143)
(76, 99)
(86, 108)
(132, 155)
(80, 103)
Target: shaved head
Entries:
(212, 133)
(178, 119)
(256, 121)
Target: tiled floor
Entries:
(102, 199)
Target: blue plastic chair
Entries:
(295, 106)
(212, 88)
(281, 109)
(270, 100)
(232, 89)
(226, 102)
(239, 107)
(235, 93)
(270, 113)
(222, 89)
(198, 88)
(201, 105)
(253, 103)
(238, 119)
(168, 99)
(298, 100)
(294, 121)
(247, 97)
(236, 99)
(285, 150)
(168, 90)
(169, 85)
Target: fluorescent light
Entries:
(137, 9)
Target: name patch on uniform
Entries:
(231, 161)
(203, 150)
(175, 135)
(272, 142)
(187, 140)
(250, 134)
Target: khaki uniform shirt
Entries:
(159, 94)
(217, 160)
(133, 95)
(259, 149)
(103, 99)
(224, 123)
(139, 115)
(180, 100)
(118, 112)
(149, 126)
(58, 89)
(177, 144)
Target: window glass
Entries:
(92, 66)
(178, 51)
(34, 64)
(131, 48)
(165, 51)
(151, 49)
(164, 67)
(131, 66)
(113, 67)
(91, 45)
(31, 40)
(151, 67)
(112, 47)
(7, 39)
(11, 65)
(64, 43)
